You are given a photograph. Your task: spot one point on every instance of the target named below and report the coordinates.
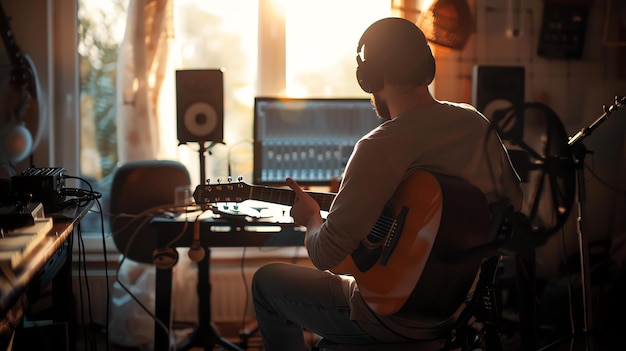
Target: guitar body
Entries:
(408, 267)
(386, 288)
(445, 215)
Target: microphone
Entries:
(196, 252)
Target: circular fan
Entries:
(538, 146)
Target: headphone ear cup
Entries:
(432, 68)
(165, 258)
(369, 80)
(361, 79)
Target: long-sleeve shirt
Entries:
(443, 137)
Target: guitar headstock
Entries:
(228, 192)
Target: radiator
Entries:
(230, 295)
(231, 299)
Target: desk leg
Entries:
(162, 308)
(63, 303)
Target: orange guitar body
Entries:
(445, 215)
(387, 287)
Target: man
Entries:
(396, 66)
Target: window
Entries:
(276, 47)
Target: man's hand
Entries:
(305, 210)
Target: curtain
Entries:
(144, 58)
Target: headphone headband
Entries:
(396, 49)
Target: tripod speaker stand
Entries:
(205, 335)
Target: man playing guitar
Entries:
(435, 165)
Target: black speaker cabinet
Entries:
(496, 87)
(200, 105)
(496, 91)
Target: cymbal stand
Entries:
(579, 151)
(205, 335)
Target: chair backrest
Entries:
(138, 187)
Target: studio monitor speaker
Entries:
(497, 87)
(200, 105)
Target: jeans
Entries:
(288, 298)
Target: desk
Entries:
(214, 232)
(49, 263)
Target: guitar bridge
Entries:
(380, 243)
(391, 241)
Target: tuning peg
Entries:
(219, 180)
(240, 178)
(230, 179)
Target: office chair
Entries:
(139, 191)
(138, 187)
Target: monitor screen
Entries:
(307, 139)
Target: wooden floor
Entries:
(96, 340)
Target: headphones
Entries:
(165, 257)
(394, 48)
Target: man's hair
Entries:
(394, 49)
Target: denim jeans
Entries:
(288, 298)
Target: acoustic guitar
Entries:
(403, 266)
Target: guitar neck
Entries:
(287, 196)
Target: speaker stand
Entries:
(205, 335)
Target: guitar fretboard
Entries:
(287, 196)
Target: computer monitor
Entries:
(307, 139)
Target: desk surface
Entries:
(228, 232)
(14, 283)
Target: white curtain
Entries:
(144, 58)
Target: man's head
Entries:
(393, 50)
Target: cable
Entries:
(245, 285)
(84, 196)
(84, 269)
(604, 182)
(146, 215)
(106, 275)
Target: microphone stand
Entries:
(579, 151)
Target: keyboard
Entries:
(17, 244)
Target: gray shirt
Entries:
(446, 138)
